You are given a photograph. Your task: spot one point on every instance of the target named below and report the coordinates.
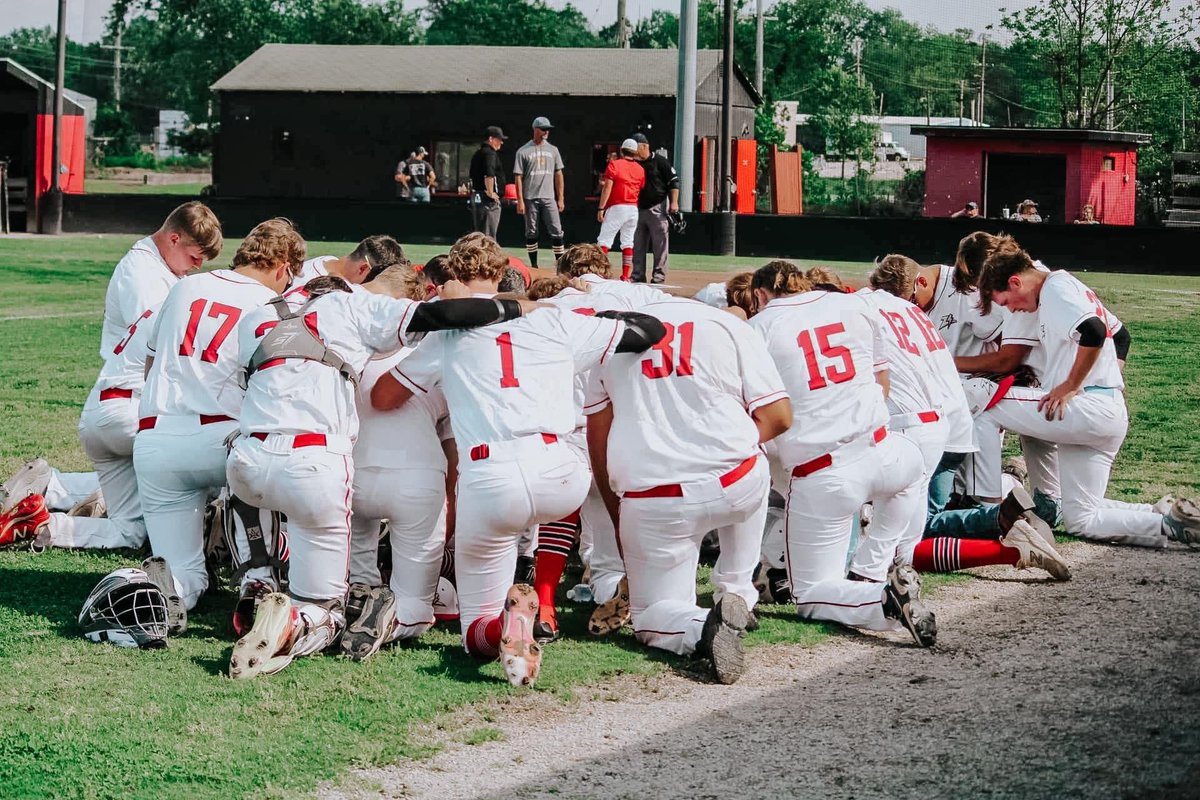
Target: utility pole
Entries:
(51, 216)
(758, 48)
(685, 102)
(962, 90)
(727, 227)
(117, 50)
(982, 79)
(856, 47)
(1108, 95)
(622, 31)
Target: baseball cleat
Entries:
(266, 648)
(613, 615)
(1182, 524)
(545, 632)
(159, 572)
(1164, 504)
(902, 602)
(1018, 505)
(23, 524)
(91, 506)
(32, 478)
(368, 630)
(526, 568)
(520, 654)
(250, 596)
(1035, 552)
(721, 639)
(1015, 466)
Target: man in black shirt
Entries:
(659, 196)
(421, 177)
(487, 183)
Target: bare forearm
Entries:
(1004, 360)
(1085, 359)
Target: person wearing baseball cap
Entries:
(420, 175)
(657, 202)
(487, 182)
(623, 180)
(539, 175)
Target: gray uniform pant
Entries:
(486, 215)
(544, 211)
(653, 229)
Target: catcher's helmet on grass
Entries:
(127, 609)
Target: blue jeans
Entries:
(981, 522)
(420, 194)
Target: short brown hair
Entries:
(542, 288)
(270, 244)
(825, 278)
(477, 256)
(1007, 260)
(895, 274)
(197, 222)
(973, 250)
(378, 252)
(584, 259)
(779, 278)
(436, 270)
(401, 280)
(739, 294)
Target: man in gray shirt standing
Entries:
(539, 173)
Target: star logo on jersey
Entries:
(946, 321)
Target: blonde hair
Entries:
(196, 221)
(779, 278)
(401, 280)
(270, 244)
(825, 278)
(739, 294)
(584, 259)
(895, 274)
(477, 256)
(542, 288)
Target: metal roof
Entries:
(587, 72)
(40, 84)
(1051, 134)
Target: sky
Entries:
(85, 18)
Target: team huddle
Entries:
(370, 447)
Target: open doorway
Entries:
(1012, 177)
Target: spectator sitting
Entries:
(1088, 216)
(1027, 212)
(970, 210)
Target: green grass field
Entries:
(93, 721)
(110, 186)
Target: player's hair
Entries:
(584, 259)
(739, 294)
(542, 288)
(324, 284)
(197, 222)
(779, 278)
(270, 244)
(973, 250)
(513, 283)
(379, 252)
(1006, 260)
(825, 279)
(401, 280)
(895, 274)
(477, 256)
(437, 270)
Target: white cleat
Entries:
(1164, 504)
(91, 506)
(1035, 551)
(266, 649)
(1182, 523)
(520, 654)
(32, 478)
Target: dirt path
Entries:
(1084, 689)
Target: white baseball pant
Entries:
(310, 479)
(660, 540)
(821, 506)
(504, 489)
(414, 503)
(597, 536)
(180, 466)
(65, 489)
(621, 219)
(1088, 438)
(980, 473)
(1041, 460)
(106, 431)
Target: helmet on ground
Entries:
(127, 609)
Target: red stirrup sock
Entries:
(945, 554)
(626, 262)
(555, 540)
(483, 638)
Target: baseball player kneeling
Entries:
(303, 356)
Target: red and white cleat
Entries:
(520, 654)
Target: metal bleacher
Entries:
(1185, 191)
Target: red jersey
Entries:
(627, 178)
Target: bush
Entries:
(140, 160)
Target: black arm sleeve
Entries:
(1092, 332)
(470, 312)
(642, 331)
(1121, 341)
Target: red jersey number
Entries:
(508, 375)
(132, 330)
(819, 378)
(666, 350)
(216, 311)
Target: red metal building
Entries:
(1062, 170)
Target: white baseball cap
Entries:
(630, 145)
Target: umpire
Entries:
(487, 183)
(659, 196)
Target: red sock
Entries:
(944, 554)
(604, 249)
(626, 262)
(483, 638)
(555, 540)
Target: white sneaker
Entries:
(1182, 523)
(1164, 504)
(91, 506)
(1035, 551)
(32, 478)
(266, 648)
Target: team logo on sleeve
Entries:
(946, 321)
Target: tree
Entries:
(511, 23)
(843, 102)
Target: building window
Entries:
(1109, 164)
(452, 163)
(283, 149)
(602, 153)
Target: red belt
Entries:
(115, 394)
(926, 417)
(481, 452)
(147, 423)
(822, 462)
(299, 440)
(676, 490)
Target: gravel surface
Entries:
(1036, 689)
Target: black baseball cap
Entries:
(494, 130)
(640, 138)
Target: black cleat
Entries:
(721, 640)
(902, 602)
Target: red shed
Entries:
(1062, 170)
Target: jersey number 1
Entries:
(215, 310)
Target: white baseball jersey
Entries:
(966, 330)
(296, 395)
(1064, 304)
(313, 268)
(409, 436)
(713, 294)
(511, 380)
(636, 294)
(195, 347)
(681, 410)
(140, 280)
(126, 364)
(828, 347)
